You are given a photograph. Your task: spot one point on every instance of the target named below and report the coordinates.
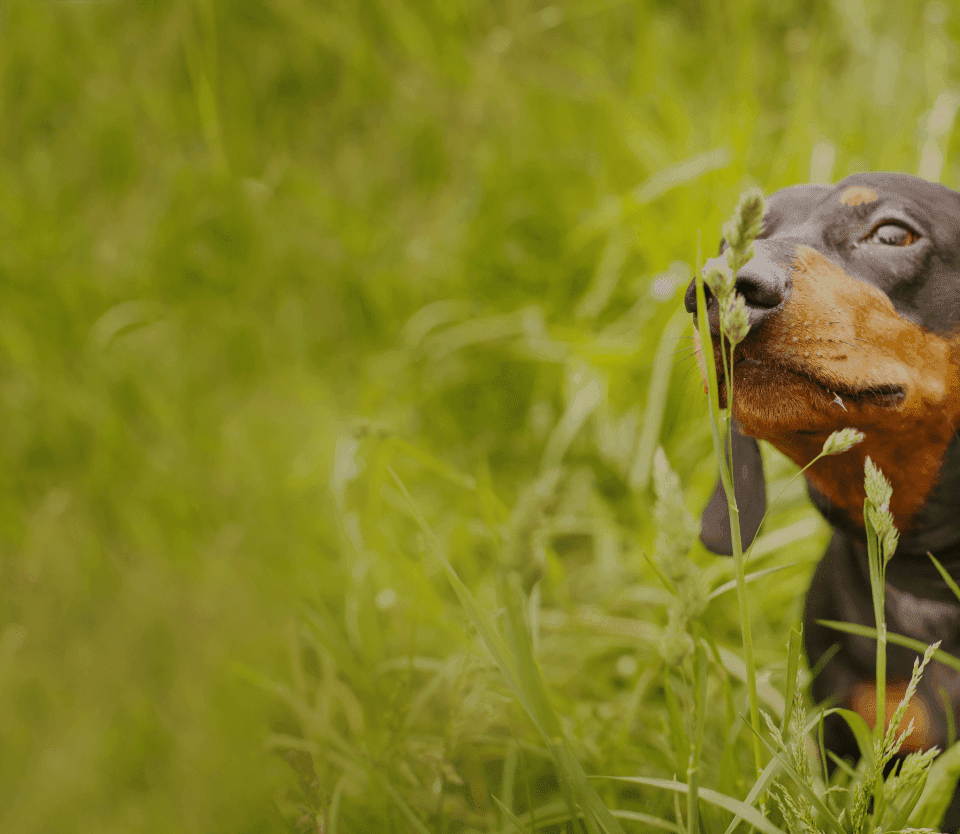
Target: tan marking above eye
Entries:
(857, 195)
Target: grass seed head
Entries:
(877, 487)
(735, 320)
(741, 229)
(841, 441)
(719, 281)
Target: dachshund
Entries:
(853, 297)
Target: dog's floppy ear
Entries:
(751, 493)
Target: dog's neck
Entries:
(932, 527)
(913, 469)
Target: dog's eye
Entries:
(892, 234)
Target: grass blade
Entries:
(750, 577)
(514, 656)
(656, 401)
(951, 584)
(832, 822)
(408, 812)
(909, 642)
(759, 789)
(511, 816)
(720, 800)
(938, 792)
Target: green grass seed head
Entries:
(735, 320)
(841, 441)
(893, 739)
(877, 508)
(741, 230)
(877, 487)
(719, 281)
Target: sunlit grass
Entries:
(255, 259)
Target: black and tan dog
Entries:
(854, 303)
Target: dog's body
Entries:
(854, 302)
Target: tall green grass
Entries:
(257, 259)
(853, 801)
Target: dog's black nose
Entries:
(762, 283)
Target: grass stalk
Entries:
(881, 543)
(696, 743)
(732, 325)
(739, 233)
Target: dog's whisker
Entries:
(875, 345)
(851, 344)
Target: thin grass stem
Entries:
(726, 478)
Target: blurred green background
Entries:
(257, 256)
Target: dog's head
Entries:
(853, 297)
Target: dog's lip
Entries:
(883, 395)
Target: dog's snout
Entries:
(762, 283)
(690, 297)
(763, 286)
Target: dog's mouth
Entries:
(840, 393)
(882, 396)
(765, 377)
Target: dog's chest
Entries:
(927, 620)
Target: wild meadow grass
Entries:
(351, 428)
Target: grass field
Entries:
(298, 299)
